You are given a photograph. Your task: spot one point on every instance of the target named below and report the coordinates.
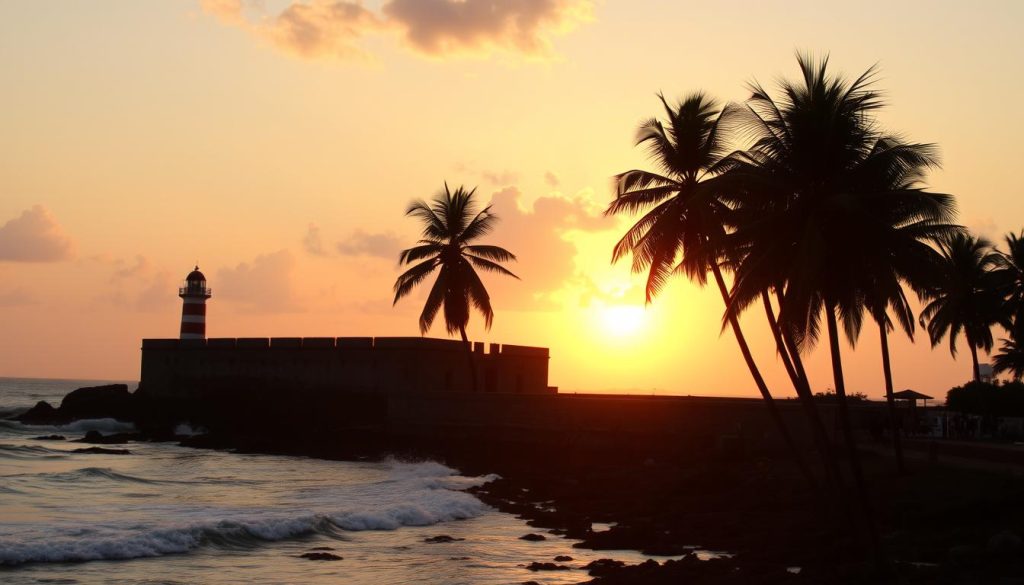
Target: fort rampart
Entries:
(190, 368)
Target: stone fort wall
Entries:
(192, 368)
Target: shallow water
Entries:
(169, 514)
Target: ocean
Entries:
(171, 514)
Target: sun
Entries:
(620, 321)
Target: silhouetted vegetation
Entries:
(451, 223)
(987, 399)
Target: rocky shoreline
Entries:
(939, 525)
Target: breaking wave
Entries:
(423, 496)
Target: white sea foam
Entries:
(416, 495)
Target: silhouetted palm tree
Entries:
(829, 213)
(966, 298)
(451, 223)
(1010, 358)
(1010, 271)
(681, 230)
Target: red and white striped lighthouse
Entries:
(193, 309)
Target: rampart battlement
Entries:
(378, 343)
(260, 365)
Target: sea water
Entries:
(171, 514)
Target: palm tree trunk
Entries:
(773, 410)
(802, 386)
(851, 442)
(773, 323)
(890, 401)
(471, 359)
(974, 357)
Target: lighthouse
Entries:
(193, 309)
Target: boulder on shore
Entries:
(40, 414)
(110, 401)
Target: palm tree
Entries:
(451, 223)
(1010, 358)
(966, 298)
(830, 215)
(681, 230)
(1010, 268)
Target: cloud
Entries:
(312, 242)
(453, 27)
(551, 179)
(380, 245)
(437, 28)
(139, 268)
(34, 236)
(17, 297)
(540, 237)
(264, 285)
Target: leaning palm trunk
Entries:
(851, 442)
(471, 359)
(890, 401)
(801, 384)
(773, 409)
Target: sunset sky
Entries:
(277, 143)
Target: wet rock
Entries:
(535, 566)
(98, 438)
(110, 401)
(1003, 543)
(102, 451)
(562, 558)
(532, 537)
(441, 538)
(320, 556)
(602, 567)
(50, 438)
(40, 414)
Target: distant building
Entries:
(193, 366)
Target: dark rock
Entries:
(110, 401)
(458, 558)
(40, 414)
(102, 451)
(322, 548)
(1004, 543)
(50, 438)
(562, 558)
(530, 583)
(602, 567)
(535, 566)
(441, 539)
(97, 438)
(320, 556)
(533, 537)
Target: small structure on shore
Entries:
(194, 294)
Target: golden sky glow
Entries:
(277, 144)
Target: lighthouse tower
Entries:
(193, 309)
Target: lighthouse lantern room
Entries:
(193, 310)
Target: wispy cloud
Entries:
(34, 236)
(435, 28)
(380, 245)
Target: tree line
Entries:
(820, 219)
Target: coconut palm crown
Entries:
(967, 298)
(452, 223)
